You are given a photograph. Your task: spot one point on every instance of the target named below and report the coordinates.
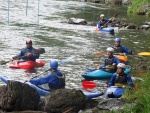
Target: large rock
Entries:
(77, 21)
(65, 100)
(17, 96)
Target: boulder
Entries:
(65, 100)
(131, 26)
(17, 96)
(126, 2)
(145, 27)
(77, 21)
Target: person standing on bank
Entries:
(55, 80)
(28, 53)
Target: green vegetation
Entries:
(139, 98)
(138, 5)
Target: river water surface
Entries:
(61, 40)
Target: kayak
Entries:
(27, 64)
(108, 30)
(144, 53)
(122, 58)
(43, 92)
(100, 74)
(115, 92)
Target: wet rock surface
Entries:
(17, 96)
(65, 100)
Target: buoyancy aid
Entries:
(118, 49)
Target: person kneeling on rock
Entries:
(118, 82)
(55, 80)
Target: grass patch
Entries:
(138, 5)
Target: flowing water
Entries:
(45, 22)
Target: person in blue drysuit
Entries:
(28, 53)
(103, 21)
(121, 80)
(119, 48)
(55, 80)
(110, 62)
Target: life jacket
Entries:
(121, 79)
(109, 61)
(118, 49)
(103, 22)
(61, 82)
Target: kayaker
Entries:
(119, 79)
(27, 53)
(103, 22)
(55, 80)
(118, 48)
(110, 63)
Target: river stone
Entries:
(77, 21)
(65, 100)
(17, 96)
(126, 2)
(131, 26)
(145, 27)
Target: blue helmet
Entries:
(117, 40)
(53, 64)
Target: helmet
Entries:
(102, 15)
(110, 49)
(53, 64)
(29, 41)
(122, 65)
(117, 40)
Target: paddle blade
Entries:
(2, 62)
(144, 53)
(40, 51)
(99, 54)
(88, 84)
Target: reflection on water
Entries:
(62, 40)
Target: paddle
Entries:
(37, 51)
(97, 30)
(62, 62)
(104, 53)
(91, 85)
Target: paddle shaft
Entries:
(62, 62)
(111, 18)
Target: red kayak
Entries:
(27, 64)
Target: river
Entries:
(45, 22)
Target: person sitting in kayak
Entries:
(102, 23)
(55, 80)
(119, 48)
(28, 53)
(119, 79)
(110, 63)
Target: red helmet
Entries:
(28, 41)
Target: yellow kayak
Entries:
(144, 53)
(122, 58)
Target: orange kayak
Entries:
(122, 58)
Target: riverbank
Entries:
(140, 7)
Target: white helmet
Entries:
(121, 65)
(102, 15)
(110, 49)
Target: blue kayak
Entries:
(108, 29)
(100, 74)
(43, 92)
(115, 92)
